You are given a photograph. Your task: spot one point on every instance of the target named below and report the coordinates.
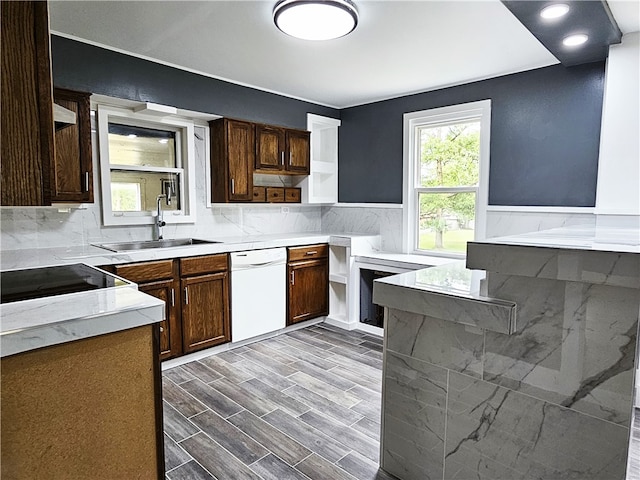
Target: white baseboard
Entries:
(192, 357)
(341, 323)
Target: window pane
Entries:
(138, 191)
(446, 221)
(141, 146)
(449, 155)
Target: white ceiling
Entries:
(398, 48)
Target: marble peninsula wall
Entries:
(552, 398)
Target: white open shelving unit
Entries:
(343, 291)
(321, 186)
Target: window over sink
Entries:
(446, 170)
(143, 156)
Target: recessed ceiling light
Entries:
(132, 135)
(575, 40)
(316, 19)
(556, 10)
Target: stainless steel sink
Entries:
(165, 243)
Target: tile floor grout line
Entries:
(324, 351)
(187, 438)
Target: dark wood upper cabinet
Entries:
(239, 148)
(27, 145)
(232, 160)
(298, 159)
(283, 151)
(270, 149)
(72, 178)
(308, 275)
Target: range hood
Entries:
(63, 117)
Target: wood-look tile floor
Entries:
(303, 405)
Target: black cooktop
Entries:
(19, 285)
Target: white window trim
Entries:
(480, 110)
(187, 213)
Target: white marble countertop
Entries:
(578, 237)
(403, 260)
(93, 255)
(31, 324)
(448, 292)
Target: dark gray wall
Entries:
(545, 136)
(84, 67)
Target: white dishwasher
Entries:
(258, 292)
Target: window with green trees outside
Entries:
(449, 174)
(446, 170)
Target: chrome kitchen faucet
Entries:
(160, 217)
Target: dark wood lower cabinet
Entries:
(205, 311)
(196, 295)
(308, 292)
(159, 279)
(170, 328)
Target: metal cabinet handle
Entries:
(293, 277)
(186, 295)
(86, 181)
(311, 252)
(282, 158)
(173, 297)
(290, 157)
(233, 186)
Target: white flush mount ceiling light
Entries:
(316, 19)
(575, 40)
(554, 11)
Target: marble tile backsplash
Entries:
(386, 222)
(47, 227)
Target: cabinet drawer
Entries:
(308, 252)
(275, 194)
(146, 272)
(204, 264)
(292, 195)
(259, 194)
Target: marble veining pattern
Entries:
(575, 344)
(386, 222)
(510, 435)
(37, 323)
(439, 342)
(550, 400)
(436, 291)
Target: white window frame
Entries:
(185, 149)
(473, 111)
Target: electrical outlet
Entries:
(284, 209)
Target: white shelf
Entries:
(338, 278)
(321, 186)
(326, 168)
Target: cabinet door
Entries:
(270, 147)
(170, 337)
(72, 179)
(26, 144)
(205, 311)
(240, 158)
(308, 290)
(298, 160)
